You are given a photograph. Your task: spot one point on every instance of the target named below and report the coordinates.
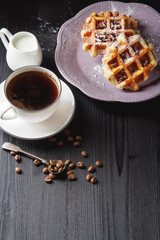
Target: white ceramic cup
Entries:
(22, 48)
(32, 116)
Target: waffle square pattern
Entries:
(101, 30)
(127, 59)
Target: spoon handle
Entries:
(13, 147)
(34, 156)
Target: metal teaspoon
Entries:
(12, 147)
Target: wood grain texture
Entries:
(124, 205)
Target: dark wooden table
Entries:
(124, 205)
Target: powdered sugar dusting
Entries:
(113, 7)
(46, 34)
(98, 69)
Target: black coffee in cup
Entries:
(32, 90)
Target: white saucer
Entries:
(53, 125)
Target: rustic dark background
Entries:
(124, 205)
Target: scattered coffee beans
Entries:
(60, 143)
(98, 163)
(12, 153)
(67, 132)
(70, 139)
(52, 176)
(78, 138)
(77, 143)
(48, 179)
(37, 162)
(18, 170)
(80, 164)
(69, 172)
(84, 154)
(91, 169)
(88, 177)
(72, 165)
(72, 177)
(17, 158)
(94, 180)
(52, 139)
(57, 166)
(45, 170)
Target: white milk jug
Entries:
(22, 48)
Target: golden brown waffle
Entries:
(128, 61)
(101, 30)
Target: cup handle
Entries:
(3, 33)
(5, 107)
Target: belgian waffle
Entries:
(101, 30)
(128, 61)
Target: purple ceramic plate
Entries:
(85, 72)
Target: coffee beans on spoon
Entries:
(56, 166)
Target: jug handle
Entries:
(4, 32)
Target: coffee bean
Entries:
(60, 169)
(61, 163)
(53, 162)
(91, 169)
(88, 177)
(55, 169)
(37, 162)
(17, 158)
(12, 153)
(80, 164)
(94, 180)
(18, 170)
(72, 177)
(72, 165)
(60, 143)
(48, 179)
(78, 138)
(45, 170)
(52, 176)
(52, 139)
(58, 165)
(67, 132)
(98, 163)
(84, 154)
(67, 162)
(77, 143)
(70, 139)
(50, 168)
(69, 172)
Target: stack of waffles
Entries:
(128, 59)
